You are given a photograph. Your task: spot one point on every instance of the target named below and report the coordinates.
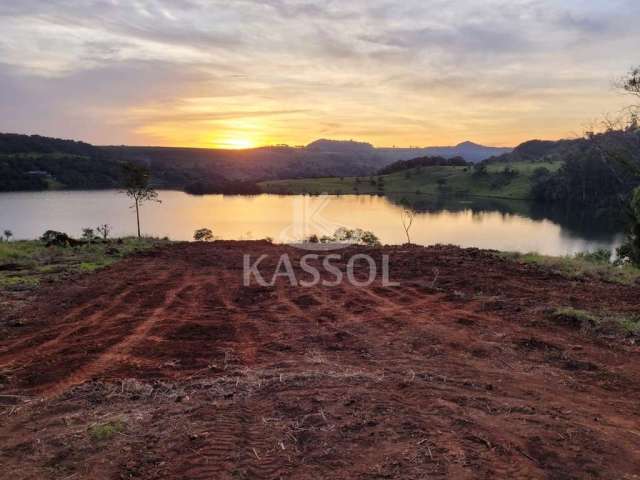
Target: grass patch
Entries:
(580, 318)
(448, 180)
(599, 322)
(92, 266)
(25, 264)
(12, 281)
(583, 266)
(104, 431)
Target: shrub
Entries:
(58, 239)
(630, 250)
(345, 235)
(601, 255)
(88, 234)
(105, 431)
(203, 235)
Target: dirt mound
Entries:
(166, 366)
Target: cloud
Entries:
(410, 72)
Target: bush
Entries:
(203, 235)
(630, 250)
(53, 238)
(105, 431)
(88, 234)
(350, 236)
(601, 255)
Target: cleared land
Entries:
(164, 366)
(426, 180)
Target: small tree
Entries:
(8, 234)
(203, 235)
(104, 230)
(137, 187)
(88, 234)
(407, 216)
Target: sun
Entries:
(236, 143)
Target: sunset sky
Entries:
(242, 73)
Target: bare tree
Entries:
(138, 188)
(104, 230)
(8, 234)
(407, 216)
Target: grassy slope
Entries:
(459, 181)
(583, 266)
(31, 262)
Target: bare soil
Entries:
(459, 372)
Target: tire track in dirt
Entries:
(231, 441)
(414, 382)
(79, 325)
(120, 351)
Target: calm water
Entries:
(514, 226)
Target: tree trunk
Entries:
(138, 218)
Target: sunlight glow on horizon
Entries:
(236, 144)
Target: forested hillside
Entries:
(599, 170)
(38, 163)
(423, 162)
(35, 163)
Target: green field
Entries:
(457, 181)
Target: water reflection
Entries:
(483, 223)
(597, 225)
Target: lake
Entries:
(496, 224)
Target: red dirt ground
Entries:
(460, 375)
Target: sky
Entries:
(244, 73)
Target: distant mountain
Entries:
(471, 152)
(341, 147)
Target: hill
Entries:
(341, 147)
(493, 180)
(598, 171)
(252, 164)
(37, 163)
(605, 165)
(471, 152)
(401, 165)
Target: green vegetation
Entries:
(631, 248)
(104, 431)
(203, 235)
(592, 321)
(26, 264)
(511, 181)
(346, 235)
(594, 265)
(52, 171)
